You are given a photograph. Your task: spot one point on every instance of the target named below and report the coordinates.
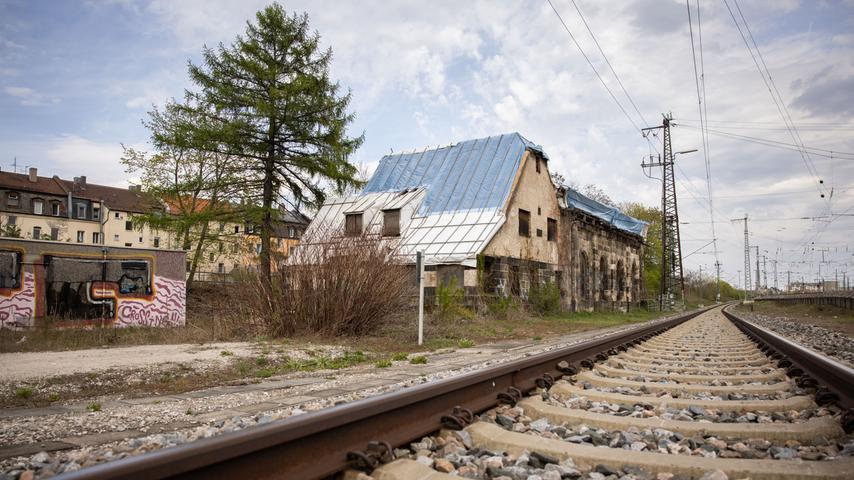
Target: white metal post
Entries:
(419, 265)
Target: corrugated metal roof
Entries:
(473, 174)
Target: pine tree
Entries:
(270, 104)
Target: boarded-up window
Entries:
(9, 269)
(54, 233)
(391, 223)
(524, 223)
(353, 224)
(551, 234)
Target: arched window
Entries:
(621, 280)
(603, 278)
(635, 283)
(584, 277)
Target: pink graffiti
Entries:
(168, 309)
(18, 310)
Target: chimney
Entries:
(34, 175)
(79, 184)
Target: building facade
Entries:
(81, 213)
(487, 217)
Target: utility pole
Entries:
(672, 281)
(758, 279)
(765, 270)
(746, 254)
(718, 281)
(788, 280)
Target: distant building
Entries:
(78, 212)
(487, 217)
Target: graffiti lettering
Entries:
(18, 309)
(167, 309)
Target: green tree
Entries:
(194, 181)
(267, 101)
(652, 248)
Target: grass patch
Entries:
(226, 353)
(24, 393)
(382, 363)
(94, 407)
(465, 343)
(418, 360)
(399, 356)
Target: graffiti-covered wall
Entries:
(71, 285)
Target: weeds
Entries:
(383, 363)
(418, 360)
(94, 407)
(24, 393)
(226, 353)
(544, 298)
(399, 356)
(465, 343)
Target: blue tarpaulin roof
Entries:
(474, 174)
(610, 215)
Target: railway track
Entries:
(692, 397)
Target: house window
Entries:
(54, 209)
(353, 224)
(37, 233)
(118, 215)
(54, 233)
(220, 247)
(81, 210)
(156, 242)
(220, 268)
(96, 213)
(128, 244)
(96, 237)
(551, 234)
(237, 229)
(13, 199)
(128, 225)
(12, 220)
(81, 236)
(292, 232)
(524, 223)
(391, 223)
(539, 232)
(211, 256)
(140, 239)
(38, 206)
(221, 227)
(116, 237)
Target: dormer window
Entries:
(13, 199)
(353, 224)
(54, 209)
(38, 206)
(391, 223)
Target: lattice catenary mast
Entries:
(672, 282)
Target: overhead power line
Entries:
(601, 80)
(817, 151)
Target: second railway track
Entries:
(699, 399)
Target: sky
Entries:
(78, 78)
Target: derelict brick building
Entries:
(487, 217)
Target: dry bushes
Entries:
(333, 286)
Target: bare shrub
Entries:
(333, 285)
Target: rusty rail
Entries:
(833, 381)
(322, 443)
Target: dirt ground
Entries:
(827, 316)
(24, 366)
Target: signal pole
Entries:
(672, 281)
(758, 279)
(718, 281)
(746, 255)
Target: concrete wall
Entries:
(79, 285)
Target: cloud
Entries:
(29, 97)
(72, 155)
(827, 97)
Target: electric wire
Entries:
(601, 80)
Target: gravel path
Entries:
(828, 342)
(30, 365)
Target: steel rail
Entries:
(316, 445)
(833, 381)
